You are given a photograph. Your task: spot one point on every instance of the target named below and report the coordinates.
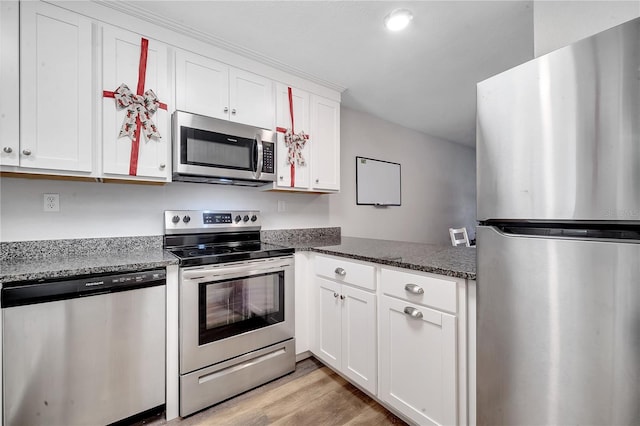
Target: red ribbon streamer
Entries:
(142, 73)
(283, 130)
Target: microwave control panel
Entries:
(268, 156)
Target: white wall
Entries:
(438, 191)
(438, 183)
(560, 23)
(113, 210)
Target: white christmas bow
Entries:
(138, 106)
(294, 143)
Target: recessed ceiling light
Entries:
(398, 19)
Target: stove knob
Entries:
(175, 219)
(246, 218)
(238, 219)
(254, 218)
(186, 219)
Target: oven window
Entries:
(231, 307)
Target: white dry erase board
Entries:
(377, 182)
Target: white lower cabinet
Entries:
(418, 361)
(411, 332)
(346, 327)
(423, 344)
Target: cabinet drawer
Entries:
(433, 291)
(346, 271)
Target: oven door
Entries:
(231, 309)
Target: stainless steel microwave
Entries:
(210, 150)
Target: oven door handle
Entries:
(248, 270)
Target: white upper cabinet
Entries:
(208, 87)
(202, 85)
(58, 58)
(301, 116)
(325, 146)
(9, 83)
(319, 118)
(251, 98)
(121, 65)
(55, 88)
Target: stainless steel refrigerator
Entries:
(558, 161)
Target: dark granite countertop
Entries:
(54, 259)
(459, 262)
(36, 260)
(62, 267)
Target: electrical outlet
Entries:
(51, 203)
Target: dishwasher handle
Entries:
(41, 291)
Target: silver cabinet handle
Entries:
(26, 151)
(233, 111)
(281, 178)
(162, 165)
(341, 272)
(414, 289)
(342, 297)
(335, 295)
(226, 109)
(317, 180)
(413, 312)
(8, 149)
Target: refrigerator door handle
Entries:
(582, 232)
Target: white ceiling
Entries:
(423, 78)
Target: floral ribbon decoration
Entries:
(294, 142)
(140, 108)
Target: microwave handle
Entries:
(259, 149)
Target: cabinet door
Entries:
(55, 88)
(329, 320)
(418, 362)
(9, 83)
(202, 85)
(251, 98)
(121, 60)
(301, 113)
(325, 144)
(359, 360)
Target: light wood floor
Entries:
(312, 395)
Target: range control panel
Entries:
(195, 221)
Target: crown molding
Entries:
(170, 24)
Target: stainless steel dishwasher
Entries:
(89, 350)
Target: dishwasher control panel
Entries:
(41, 291)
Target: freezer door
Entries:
(558, 331)
(558, 138)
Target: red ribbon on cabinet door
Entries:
(294, 142)
(140, 108)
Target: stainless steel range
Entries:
(236, 305)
